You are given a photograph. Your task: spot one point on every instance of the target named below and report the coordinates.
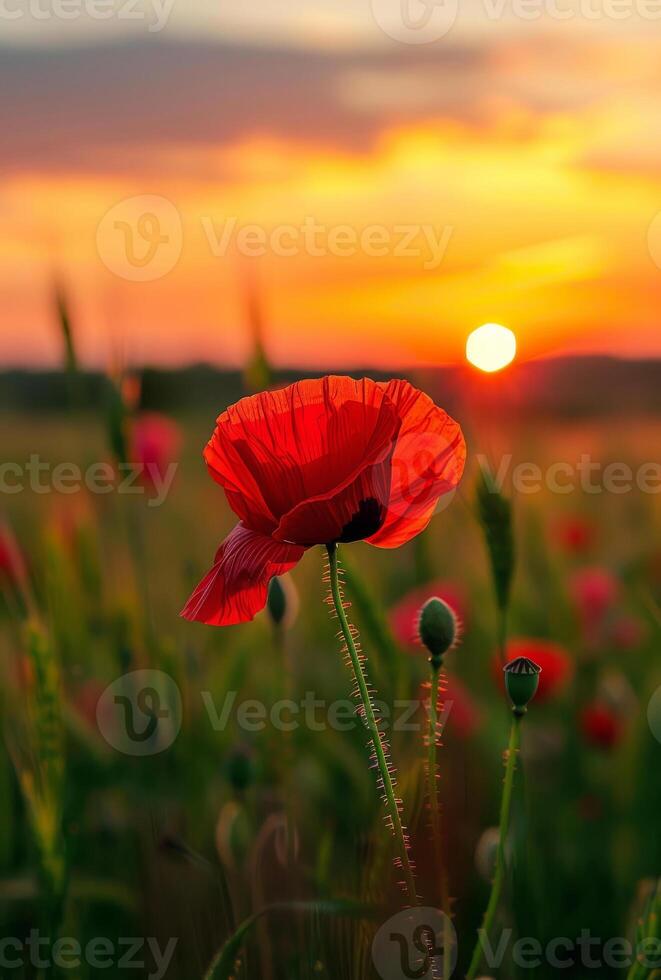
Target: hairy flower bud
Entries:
(437, 629)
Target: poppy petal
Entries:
(351, 513)
(235, 588)
(427, 463)
(277, 449)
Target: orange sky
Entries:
(529, 200)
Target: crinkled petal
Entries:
(235, 589)
(427, 464)
(351, 513)
(275, 450)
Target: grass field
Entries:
(224, 812)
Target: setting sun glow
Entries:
(491, 347)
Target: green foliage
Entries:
(648, 936)
(116, 420)
(173, 844)
(224, 963)
(66, 329)
(495, 515)
(42, 775)
(387, 655)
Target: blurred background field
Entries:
(188, 842)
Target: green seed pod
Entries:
(521, 682)
(437, 629)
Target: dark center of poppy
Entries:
(366, 521)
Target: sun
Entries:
(491, 347)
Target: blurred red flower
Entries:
(321, 461)
(12, 563)
(594, 590)
(573, 534)
(628, 632)
(464, 717)
(600, 725)
(556, 663)
(155, 441)
(404, 615)
(85, 700)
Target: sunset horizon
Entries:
(386, 199)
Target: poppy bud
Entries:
(521, 682)
(276, 602)
(282, 601)
(437, 629)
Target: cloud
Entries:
(81, 108)
(132, 105)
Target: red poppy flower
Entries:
(321, 461)
(405, 615)
(556, 663)
(600, 725)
